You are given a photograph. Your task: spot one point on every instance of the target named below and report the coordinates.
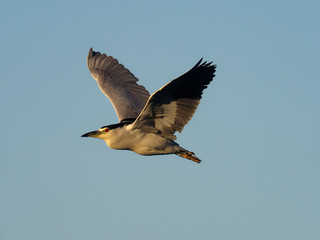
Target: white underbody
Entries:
(140, 142)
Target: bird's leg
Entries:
(189, 155)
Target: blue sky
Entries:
(256, 129)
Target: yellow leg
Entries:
(190, 156)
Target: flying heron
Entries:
(147, 123)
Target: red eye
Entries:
(106, 130)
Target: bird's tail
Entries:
(188, 155)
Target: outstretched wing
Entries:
(170, 108)
(118, 84)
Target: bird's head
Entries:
(106, 132)
(100, 133)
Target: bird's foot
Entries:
(190, 156)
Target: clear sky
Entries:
(257, 128)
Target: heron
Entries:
(148, 123)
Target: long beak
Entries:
(94, 134)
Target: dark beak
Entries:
(91, 134)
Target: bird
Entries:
(147, 123)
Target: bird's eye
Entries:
(106, 130)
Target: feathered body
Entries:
(139, 141)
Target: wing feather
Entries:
(170, 108)
(118, 84)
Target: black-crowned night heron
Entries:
(148, 123)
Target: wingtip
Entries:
(90, 54)
(204, 64)
(198, 63)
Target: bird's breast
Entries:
(140, 142)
